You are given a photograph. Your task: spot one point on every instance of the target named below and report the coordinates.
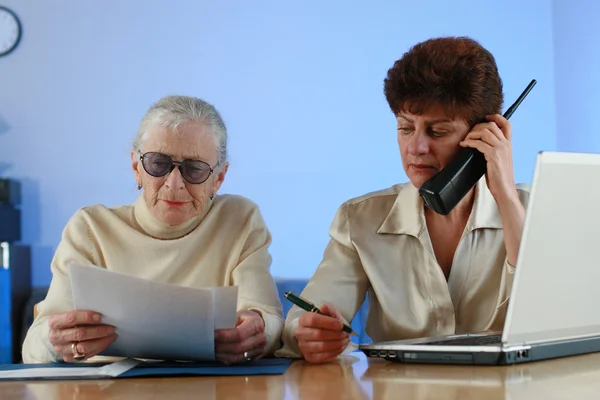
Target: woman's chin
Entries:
(418, 180)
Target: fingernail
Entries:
(96, 318)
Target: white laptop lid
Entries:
(556, 288)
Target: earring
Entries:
(139, 187)
(212, 197)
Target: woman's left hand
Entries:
(244, 342)
(493, 139)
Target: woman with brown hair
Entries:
(426, 274)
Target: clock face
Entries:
(10, 31)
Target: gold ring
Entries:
(76, 355)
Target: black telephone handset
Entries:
(443, 191)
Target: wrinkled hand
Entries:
(248, 336)
(320, 337)
(82, 328)
(493, 139)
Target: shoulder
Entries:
(234, 203)
(98, 214)
(371, 208)
(235, 209)
(377, 200)
(363, 215)
(97, 211)
(237, 218)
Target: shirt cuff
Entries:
(273, 327)
(506, 287)
(509, 267)
(37, 348)
(290, 347)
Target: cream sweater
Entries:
(225, 247)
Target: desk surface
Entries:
(350, 377)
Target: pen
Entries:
(308, 306)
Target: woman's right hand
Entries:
(320, 337)
(80, 332)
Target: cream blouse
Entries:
(380, 245)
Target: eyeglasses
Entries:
(159, 164)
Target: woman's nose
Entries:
(174, 179)
(419, 143)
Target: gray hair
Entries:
(173, 111)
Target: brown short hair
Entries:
(454, 72)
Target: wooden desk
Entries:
(351, 377)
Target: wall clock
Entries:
(10, 31)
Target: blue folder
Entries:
(265, 366)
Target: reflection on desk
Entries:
(335, 380)
(566, 378)
(268, 387)
(349, 377)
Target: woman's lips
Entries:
(175, 203)
(421, 167)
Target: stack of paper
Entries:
(154, 320)
(54, 371)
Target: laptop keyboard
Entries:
(470, 341)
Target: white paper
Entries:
(225, 300)
(106, 371)
(154, 320)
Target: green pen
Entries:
(308, 306)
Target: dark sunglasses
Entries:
(159, 164)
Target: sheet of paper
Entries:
(225, 300)
(153, 320)
(106, 371)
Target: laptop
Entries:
(553, 310)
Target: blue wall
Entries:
(299, 85)
(577, 66)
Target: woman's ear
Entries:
(135, 164)
(221, 172)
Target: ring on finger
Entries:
(76, 354)
(247, 356)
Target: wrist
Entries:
(259, 313)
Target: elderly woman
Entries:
(179, 231)
(426, 274)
